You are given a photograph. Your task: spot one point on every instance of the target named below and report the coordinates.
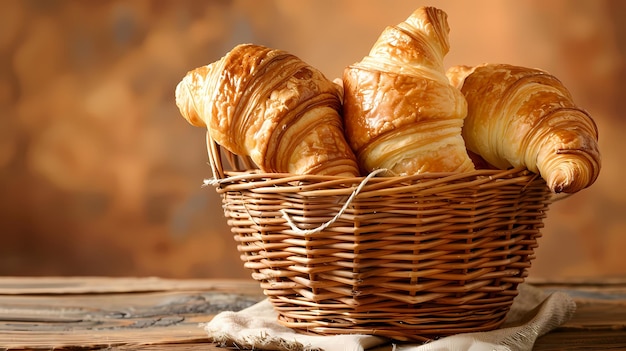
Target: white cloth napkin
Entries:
(532, 314)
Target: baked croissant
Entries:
(520, 116)
(400, 111)
(270, 105)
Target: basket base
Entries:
(418, 323)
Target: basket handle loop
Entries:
(215, 159)
(343, 209)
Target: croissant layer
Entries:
(401, 113)
(520, 116)
(270, 105)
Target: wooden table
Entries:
(91, 313)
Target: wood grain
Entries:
(92, 313)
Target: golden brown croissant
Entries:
(520, 116)
(270, 105)
(400, 111)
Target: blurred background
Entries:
(99, 174)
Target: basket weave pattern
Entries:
(410, 258)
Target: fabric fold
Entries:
(532, 315)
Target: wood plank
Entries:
(90, 313)
(102, 285)
(575, 340)
(600, 319)
(55, 313)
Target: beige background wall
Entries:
(99, 175)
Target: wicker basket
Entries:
(410, 258)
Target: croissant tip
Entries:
(185, 101)
(565, 181)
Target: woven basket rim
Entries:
(369, 186)
(252, 174)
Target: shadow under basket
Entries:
(410, 258)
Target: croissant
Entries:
(400, 111)
(270, 105)
(520, 116)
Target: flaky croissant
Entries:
(520, 116)
(400, 111)
(270, 105)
